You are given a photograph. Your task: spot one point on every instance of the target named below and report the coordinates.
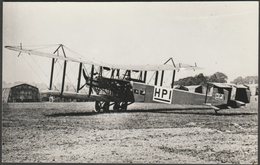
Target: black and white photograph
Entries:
(130, 82)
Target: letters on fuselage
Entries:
(163, 95)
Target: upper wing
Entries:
(114, 66)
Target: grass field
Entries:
(147, 133)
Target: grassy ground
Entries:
(147, 133)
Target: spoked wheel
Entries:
(102, 106)
(98, 106)
(122, 106)
(116, 106)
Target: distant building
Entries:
(253, 89)
(21, 93)
(55, 96)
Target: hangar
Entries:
(21, 93)
(253, 89)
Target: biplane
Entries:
(119, 88)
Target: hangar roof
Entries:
(16, 84)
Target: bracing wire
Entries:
(57, 75)
(35, 61)
(80, 55)
(71, 82)
(151, 78)
(73, 51)
(37, 47)
(67, 77)
(44, 45)
(86, 70)
(107, 73)
(39, 66)
(32, 68)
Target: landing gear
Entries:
(123, 106)
(116, 106)
(102, 106)
(120, 106)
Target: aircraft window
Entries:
(136, 91)
(142, 92)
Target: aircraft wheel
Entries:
(106, 107)
(98, 106)
(123, 106)
(102, 106)
(116, 106)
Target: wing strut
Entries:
(174, 71)
(64, 70)
(112, 73)
(52, 66)
(91, 80)
(52, 70)
(156, 77)
(173, 77)
(79, 77)
(63, 77)
(118, 73)
(162, 77)
(145, 74)
(141, 75)
(100, 71)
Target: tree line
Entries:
(218, 77)
(246, 80)
(200, 79)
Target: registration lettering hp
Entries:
(163, 95)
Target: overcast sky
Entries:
(218, 36)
